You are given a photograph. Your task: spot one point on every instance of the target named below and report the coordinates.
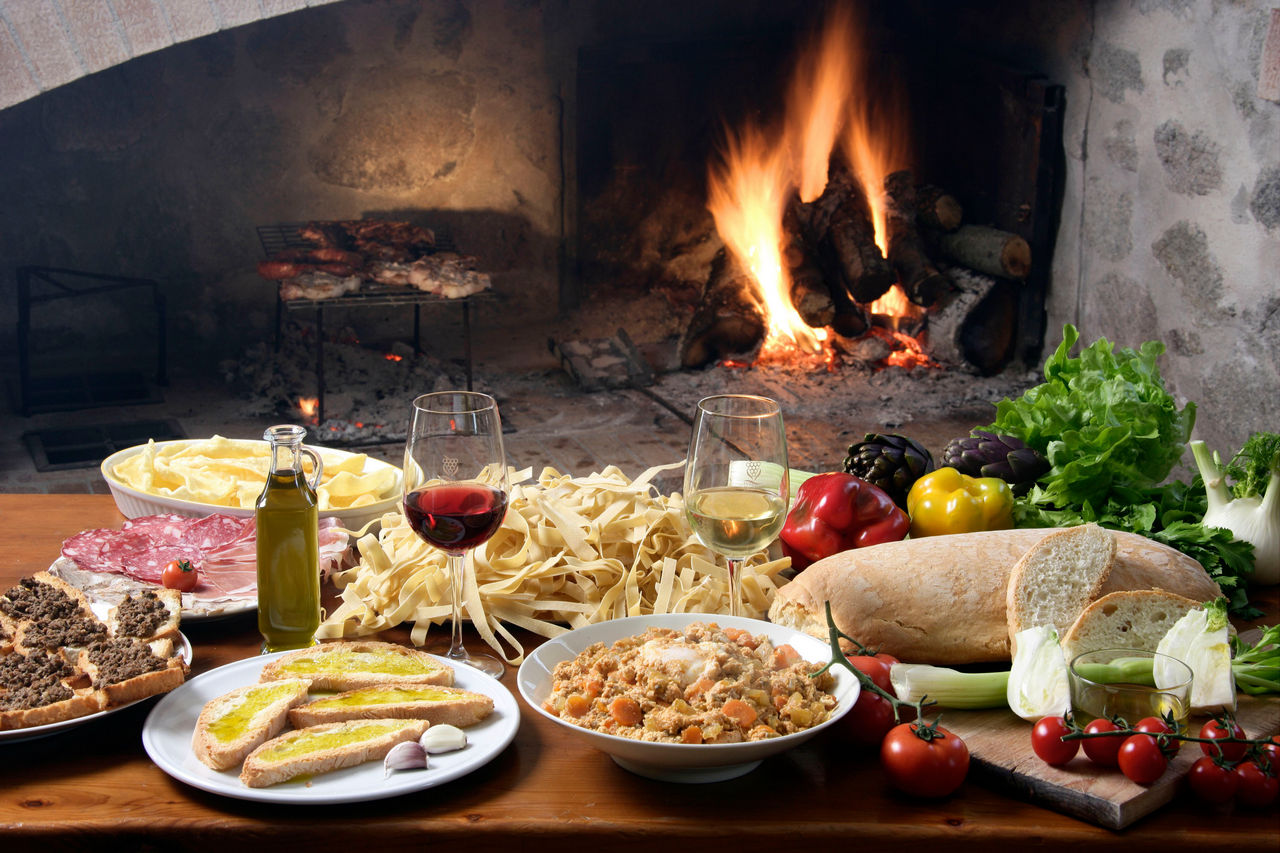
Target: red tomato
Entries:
(875, 669)
(1271, 750)
(1153, 726)
(887, 658)
(870, 719)
(1256, 788)
(924, 761)
(1215, 728)
(1102, 750)
(1211, 781)
(1046, 740)
(179, 575)
(1141, 759)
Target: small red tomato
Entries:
(1102, 750)
(1141, 759)
(1046, 740)
(179, 575)
(1152, 726)
(1211, 781)
(875, 669)
(1271, 750)
(869, 720)
(1218, 728)
(1257, 789)
(924, 761)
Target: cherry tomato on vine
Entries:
(870, 719)
(887, 658)
(1215, 729)
(1152, 726)
(924, 760)
(1256, 788)
(875, 669)
(1046, 740)
(1141, 760)
(1211, 781)
(1102, 750)
(179, 575)
(1271, 750)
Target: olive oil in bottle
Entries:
(288, 524)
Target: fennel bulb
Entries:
(1201, 641)
(1038, 678)
(1252, 517)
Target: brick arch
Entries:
(47, 43)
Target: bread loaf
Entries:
(942, 599)
(325, 748)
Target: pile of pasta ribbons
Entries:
(570, 552)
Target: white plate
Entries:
(53, 728)
(676, 762)
(166, 735)
(133, 503)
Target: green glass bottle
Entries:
(288, 527)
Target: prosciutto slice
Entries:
(221, 547)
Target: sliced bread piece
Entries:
(325, 748)
(235, 724)
(151, 614)
(124, 669)
(1057, 578)
(41, 704)
(1132, 619)
(436, 704)
(353, 664)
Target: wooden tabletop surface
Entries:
(94, 783)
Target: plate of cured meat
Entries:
(110, 563)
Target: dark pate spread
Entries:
(141, 616)
(32, 681)
(120, 659)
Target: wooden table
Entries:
(95, 784)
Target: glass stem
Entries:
(735, 590)
(456, 649)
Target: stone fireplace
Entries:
(150, 139)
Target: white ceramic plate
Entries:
(134, 503)
(166, 735)
(53, 728)
(674, 762)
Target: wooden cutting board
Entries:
(1000, 747)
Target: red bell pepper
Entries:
(835, 512)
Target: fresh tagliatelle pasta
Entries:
(231, 472)
(571, 551)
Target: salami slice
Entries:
(215, 531)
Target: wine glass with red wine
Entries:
(455, 490)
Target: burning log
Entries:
(972, 328)
(936, 208)
(988, 250)
(727, 320)
(923, 283)
(851, 258)
(809, 292)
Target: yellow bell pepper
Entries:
(946, 501)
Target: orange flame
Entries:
(309, 406)
(748, 191)
(393, 357)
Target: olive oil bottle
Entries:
(288, 527)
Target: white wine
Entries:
(736, 522)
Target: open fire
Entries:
(818, 213)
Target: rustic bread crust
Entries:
(260, 772)
(334, 678)
(266, 723)
(1128, 619)
(942, 599)
(462, 708)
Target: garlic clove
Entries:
(409, 755)
(443, 738)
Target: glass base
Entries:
(482, 661)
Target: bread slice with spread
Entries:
(236, 723)
(355, 664)
(125, 669)
(434, 703)
(324, 748)
(152, 614)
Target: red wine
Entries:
(455, 517)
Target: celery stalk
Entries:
(949, 688)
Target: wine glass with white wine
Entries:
(735, 480)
